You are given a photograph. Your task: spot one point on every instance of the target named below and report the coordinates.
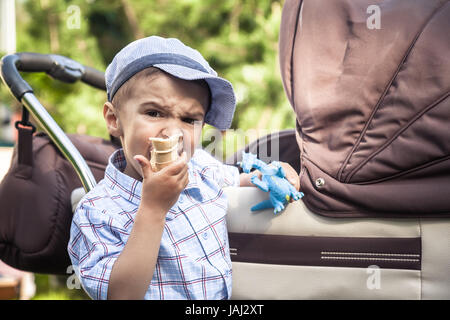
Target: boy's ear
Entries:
(112, 121)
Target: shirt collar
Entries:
(130, 188)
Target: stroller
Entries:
(358, 233)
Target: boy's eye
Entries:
(153, 113)
(189, 120)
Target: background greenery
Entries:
(52, 287)
(239, 38)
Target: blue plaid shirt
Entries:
(193, 259)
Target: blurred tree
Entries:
(239, 38)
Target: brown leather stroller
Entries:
(371, 146)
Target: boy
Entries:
(159, 235)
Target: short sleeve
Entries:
(228, 176)
(94, 246)
(224, 175)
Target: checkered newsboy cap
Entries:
(179, 60)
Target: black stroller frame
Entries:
(60, 68)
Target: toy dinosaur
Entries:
(273, 180)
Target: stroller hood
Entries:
(370, 87)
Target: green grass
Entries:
(52, 287)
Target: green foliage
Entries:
(52, 287)
(239, 38)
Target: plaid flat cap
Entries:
(179, 60)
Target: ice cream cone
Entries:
(164, 151)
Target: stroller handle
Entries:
(58, 67)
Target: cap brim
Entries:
(223, 100)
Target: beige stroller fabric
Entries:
(420, 270)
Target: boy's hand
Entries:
(291, 175)
(160, 190)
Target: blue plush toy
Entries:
(273, 180)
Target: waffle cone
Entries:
(164, 152)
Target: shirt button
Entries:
(205, 235)
(180, 200)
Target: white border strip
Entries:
(371, 254)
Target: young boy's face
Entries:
(159, 105)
